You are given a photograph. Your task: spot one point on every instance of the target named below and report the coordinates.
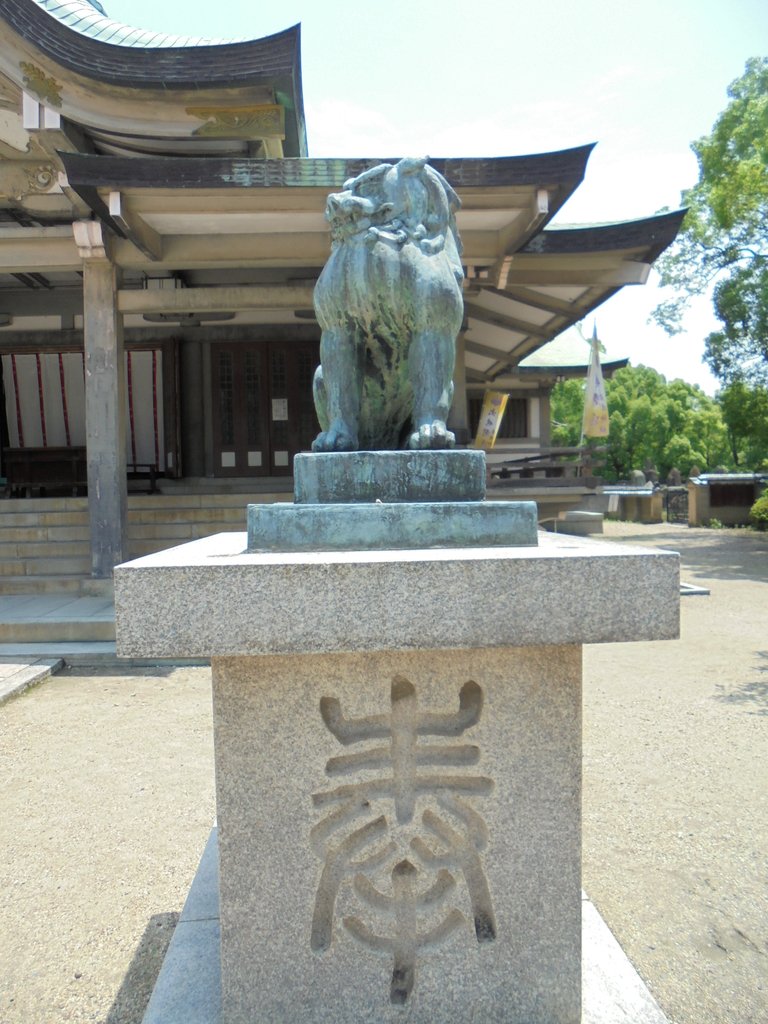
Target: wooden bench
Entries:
(28, 469)
(47, 469)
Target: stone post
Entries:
(104, 402)
(398, 748)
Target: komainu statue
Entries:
(390, 306)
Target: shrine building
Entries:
(161, 231)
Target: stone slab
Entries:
(612, 990)
(323, 478)
(211, 597)
(188, 989)
(400, 834)
(391, 526)
(16, 676)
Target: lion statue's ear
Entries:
(372, 175)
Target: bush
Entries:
(758, 514)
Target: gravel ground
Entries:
(107, 800)
(676, 785)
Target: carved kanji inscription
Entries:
(415, 790)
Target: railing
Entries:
(578, 461)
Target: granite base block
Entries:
(391, 526)
(188, 989)
(323, 478)
(400, 833)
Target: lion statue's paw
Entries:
(432, 435)
(337, 438)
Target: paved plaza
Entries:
(107, 802)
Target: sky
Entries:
(505, 77)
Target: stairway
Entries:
(47, 594)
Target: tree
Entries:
(745, 413)
(667, 424)
(723, 244)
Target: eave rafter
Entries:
(486, 351)
(536, 300)
(134, 228)
(509, 323)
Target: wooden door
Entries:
(263, 412)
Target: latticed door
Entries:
(263, 412)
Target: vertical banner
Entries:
(494, 405)
(595, 422)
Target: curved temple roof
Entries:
(98, 73)
(89, 18)
(165, 66)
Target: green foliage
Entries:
(567, 411)
(745, 412)
(724, 239)
(668, 424)
(758, 514)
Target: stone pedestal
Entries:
(398, 758)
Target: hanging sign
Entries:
(494, 405)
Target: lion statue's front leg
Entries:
(337, 392)
(431, 370)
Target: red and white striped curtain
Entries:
(45, 402)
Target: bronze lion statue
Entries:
(389, 303)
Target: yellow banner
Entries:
(596, 422)
(494, 405)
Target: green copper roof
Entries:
(89, 18)
(569, 350)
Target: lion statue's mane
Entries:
(389, 303)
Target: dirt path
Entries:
(106, 803)
(676, 785)
(107, 799)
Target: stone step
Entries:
(22, 505)
(84, 586)
(90, 654)
(43, 549)
(38, 618)
(222, 514)
(58, 631)
(204, 500)
(41, 534)
(49, 566)
(42, 518)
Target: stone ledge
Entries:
(212, 598)
(188, 988)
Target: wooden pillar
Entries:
(104, 403)
(192, 401)
(545, 418)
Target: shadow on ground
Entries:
(119, 671)
(728, 554)
(753, 695)
(131, 1000)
